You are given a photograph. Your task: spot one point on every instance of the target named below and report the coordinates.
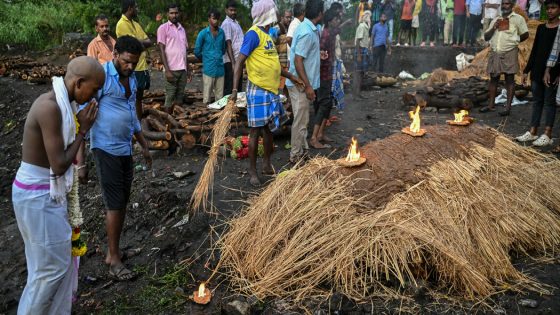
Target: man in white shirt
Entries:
(299, 14)
(535, 9)
(491, 11)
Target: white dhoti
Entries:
(48, 247)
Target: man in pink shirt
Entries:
(173, 45)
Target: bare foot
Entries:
(324, 138)
(268, 169)
(255, 181)
(318, 145)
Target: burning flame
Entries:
(460, 116)
(415, 116)
(353, 153)
(201, 290)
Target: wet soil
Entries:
(176, 255)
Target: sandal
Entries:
(527, 136)
(487, 109)
(556, 150)
(542, 141)
(121, 273)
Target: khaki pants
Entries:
(209, 85)
(448, 31)
(300, 107)
(175, 90)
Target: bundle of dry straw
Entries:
(321, 228)
(206, 180)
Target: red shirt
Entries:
(327, 42)
(459, 7)
(407, 9)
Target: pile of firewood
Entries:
(157, 63)
(457, 93)
(28, 69)
(186, 125)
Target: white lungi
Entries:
(48, 247)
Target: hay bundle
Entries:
(447, 208)
(480, 62)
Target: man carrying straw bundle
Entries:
(264, 108)
(504, 33)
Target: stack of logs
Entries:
(458, 93)
(28, 69)
(186, 126)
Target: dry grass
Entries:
(312, 231)
(206, 181)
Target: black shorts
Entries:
(142, 79)
(115, 175)
(406, 25)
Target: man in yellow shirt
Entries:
(504, 33)
(127, 26)
(264, 109)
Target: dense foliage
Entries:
(41, 24)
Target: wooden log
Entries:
(157, 135)
(155, 123)
(187, 141)
(158, 145)
(165, 117)
(180, 132)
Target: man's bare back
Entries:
(44, 107)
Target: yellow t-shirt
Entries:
(263, 64)
(132, 28)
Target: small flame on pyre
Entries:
(201, 290)
(415, 116)
(353, 152)
(460, 116)
(203, 295)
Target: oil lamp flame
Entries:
(460, 116)
(415, 116)
(201, 290)
(353, 152)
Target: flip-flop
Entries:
(325, 146)
(121, 273)
(487, 109)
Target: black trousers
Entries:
(323, 102)
(473, 26)
(458, 29)
(429, 25)
(228, 79)
(543, 98)
(379, 53)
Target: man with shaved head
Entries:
(52, 135)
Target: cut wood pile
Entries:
(186, 125)
(446, 210)
(479, 65)
(458, 93)
(25, 68)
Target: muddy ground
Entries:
(176, 255)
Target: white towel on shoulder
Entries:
(60, 186)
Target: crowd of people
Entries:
(449, 22)
(297, 53)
